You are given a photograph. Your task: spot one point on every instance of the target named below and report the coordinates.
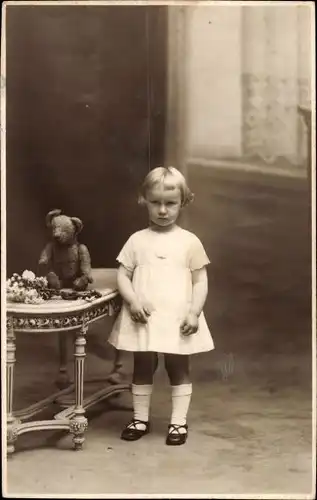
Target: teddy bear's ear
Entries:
(77, 223)
(50, 215)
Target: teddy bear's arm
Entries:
(85, 261)
(46, 256)
(46, 267)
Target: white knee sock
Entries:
(141, 395)
(181, 396)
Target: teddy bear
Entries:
(64, 261)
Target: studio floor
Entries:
(250, 420)
(250, 432)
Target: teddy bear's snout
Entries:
(59, 236)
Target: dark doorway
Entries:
(86, 97)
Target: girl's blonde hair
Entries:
(171, 178)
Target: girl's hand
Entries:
(190, 324)
(139, 312)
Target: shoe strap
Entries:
(135, 422)
(176, 427)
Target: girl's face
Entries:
(164, 206)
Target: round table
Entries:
(64, 317)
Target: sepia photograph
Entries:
(158, 252)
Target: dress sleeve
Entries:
(197, 257)
(127, 256)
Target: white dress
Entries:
(162, 265)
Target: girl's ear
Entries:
(141, 200)
(189, 198)
(77, 223)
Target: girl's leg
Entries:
(177, 367)
(145, 364)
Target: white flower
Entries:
(28, 275)
(38, 300)
(41, 281)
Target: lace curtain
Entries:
(276, 79)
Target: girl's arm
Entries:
(137, 310)
(200, 290)
(125, 288)
(199, 295)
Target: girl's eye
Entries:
(170, 203)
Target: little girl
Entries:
(163, 281)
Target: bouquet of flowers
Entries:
(31, 289)
(28, 288)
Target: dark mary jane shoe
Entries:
(174, 437)
(132, 433)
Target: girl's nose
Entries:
(162, 209)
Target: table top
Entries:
(104, 280)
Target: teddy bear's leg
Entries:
(53, 281)
(80, 284)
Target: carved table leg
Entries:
(63, 379)
(115, 376)
(10, 362)
(79, 422)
